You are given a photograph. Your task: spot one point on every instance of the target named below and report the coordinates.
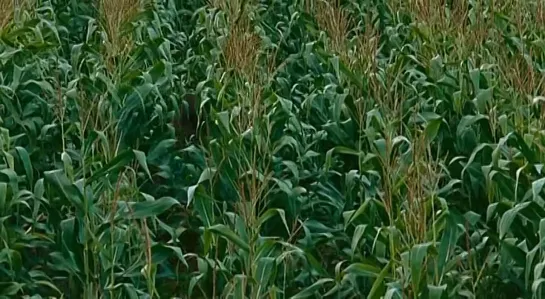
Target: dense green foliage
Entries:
(346, 149)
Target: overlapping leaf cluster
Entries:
(346, 149)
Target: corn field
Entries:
(272, 149)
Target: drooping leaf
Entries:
(311, 290)
(62, 184)
(146, 209)
(227, 233)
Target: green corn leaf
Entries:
(146, 209)
(141, 158)
(227, 233)
(62, 184)
(418, 254)
(265, 272)
(379, 286)
(271, 213)
(26, 162)
(311, 290)
(363, 269)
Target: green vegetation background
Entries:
(345, 149)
